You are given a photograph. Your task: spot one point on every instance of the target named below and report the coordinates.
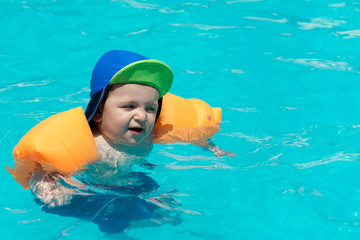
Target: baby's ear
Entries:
(98, 114)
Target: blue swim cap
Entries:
(126, 67)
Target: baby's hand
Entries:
(46, 188)
(60, 198)
(148, 166)
(145, 164)
(217, 151)
(221, 153)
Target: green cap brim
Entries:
(149, 72)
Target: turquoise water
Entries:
(285, 73)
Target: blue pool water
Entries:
(285, 73)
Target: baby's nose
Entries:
(140, 115)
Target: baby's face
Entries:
(129, 113)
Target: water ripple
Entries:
(30, 221)
(17, 211)
(38, 116)
(149, 6)
(281, 20)
(319, 63)
(247, 110)
(248, 137)
(202, 26)
(188, 158)
(320, 23)
(25, 84)
(219, 166)
(139, 5)
(339, 157)
(295, 140)
(68, 98)
(336, 5)
(242, 1)
(350, 34)
(168, 201)
(6, 134)
(137, 32)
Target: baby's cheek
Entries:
(151, 125)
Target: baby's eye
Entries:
(129, 106)
(151, 109)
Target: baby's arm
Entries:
(216, 150)
(46, 188)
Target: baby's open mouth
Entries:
(136, 130)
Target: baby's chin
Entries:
(140, 147)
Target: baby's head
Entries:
(126, 94)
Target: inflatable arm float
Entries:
(63, 143)
(186, 120)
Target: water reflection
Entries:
(116, 208)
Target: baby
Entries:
(126, 88)
(126, 96)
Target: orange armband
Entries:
(186, 120)
(61, 143)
